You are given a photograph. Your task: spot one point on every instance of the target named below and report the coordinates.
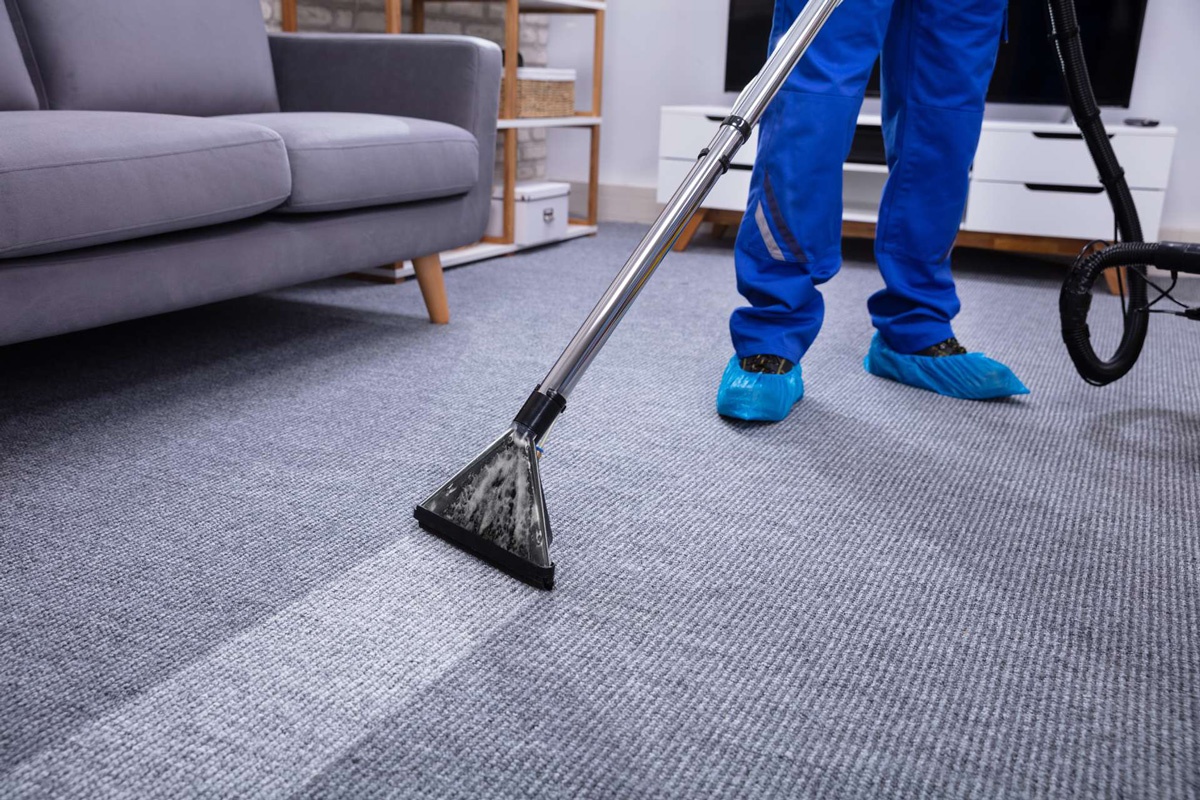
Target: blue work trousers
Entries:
(937, 60)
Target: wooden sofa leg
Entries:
(433, 288)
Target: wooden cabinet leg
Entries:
(689, 231)
(433, 287)
(1110, 277)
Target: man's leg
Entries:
(937, 63)
(790, 238)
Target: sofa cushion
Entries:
(76, 178)
(342, 161)
(16, 89)
(199, 57)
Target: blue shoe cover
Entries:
(972, 376)
(758, 396)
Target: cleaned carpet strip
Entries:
(265, 712)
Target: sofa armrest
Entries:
(454, 79)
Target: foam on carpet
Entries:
(212, 584)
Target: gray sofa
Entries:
(161, 154)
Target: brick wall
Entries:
(485, 20)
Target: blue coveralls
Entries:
(938, 57)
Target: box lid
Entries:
(535, 191)
(545, 74)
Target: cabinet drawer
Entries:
(685, 134)
(731, 193)
(995, 207)
(1056, 157)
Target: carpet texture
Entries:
(212, 584)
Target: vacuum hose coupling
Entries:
(539, 412)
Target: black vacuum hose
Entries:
(1075, 299)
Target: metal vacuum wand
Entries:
(714, 161)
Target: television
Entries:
(1027, 68)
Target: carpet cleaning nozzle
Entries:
(495, 507)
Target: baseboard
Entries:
(619, 203)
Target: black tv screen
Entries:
(1027, 69)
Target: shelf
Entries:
(577, 230)
(535, 6)
(874, 169)
(549, 6)
(476, 252)
(548, 122)
(486, 250)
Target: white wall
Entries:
(1167, 87)
(657, 53)
(672, 52)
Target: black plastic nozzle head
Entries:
(495, 509)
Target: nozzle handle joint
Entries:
(540, 411)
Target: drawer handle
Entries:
(742, 167)
(1049, 187)
(715, 118)
(1050, 135)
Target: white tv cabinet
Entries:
(1033, 186)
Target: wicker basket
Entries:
(543, 92)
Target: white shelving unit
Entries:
(548, 122)
(510, 123)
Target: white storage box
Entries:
(541, 213)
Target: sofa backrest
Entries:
(195, 57)
(16, 87)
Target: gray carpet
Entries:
(212, 585)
